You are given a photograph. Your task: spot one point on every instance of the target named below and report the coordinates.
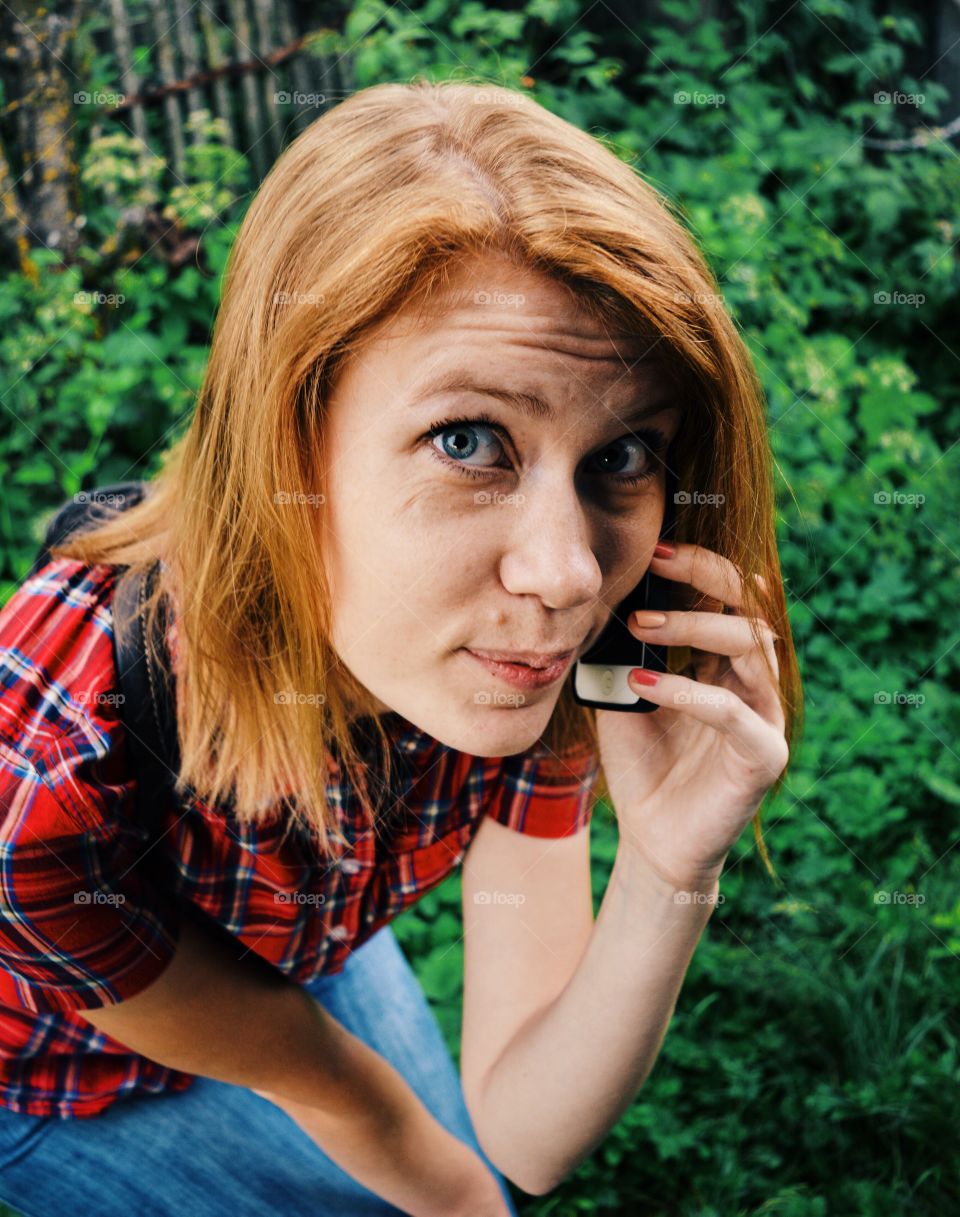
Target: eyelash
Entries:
(655, 442)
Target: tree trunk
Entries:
(46, 119)
(253, 143)
(168, 73)
(129, 80)
(210, 27)
(270, 79)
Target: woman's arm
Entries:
(238, 1020)
(572, 1066)
(684, 783)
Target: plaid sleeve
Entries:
(81, 923)
(545, 795)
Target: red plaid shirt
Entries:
(90, 908)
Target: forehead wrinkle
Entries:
(529, 404)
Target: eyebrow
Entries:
(526, 403)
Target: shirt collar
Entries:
(413, 743)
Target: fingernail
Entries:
(642, 676)
(663, 549)
(649, 619)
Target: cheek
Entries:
(626, 546)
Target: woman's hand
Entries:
(685, 779)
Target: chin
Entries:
(494, 730)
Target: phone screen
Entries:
(600, 674)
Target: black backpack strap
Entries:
(148, 709)
(86, 509)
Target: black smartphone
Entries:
(600, 674)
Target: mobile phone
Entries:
(600, 674)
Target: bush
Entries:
(813, 1056)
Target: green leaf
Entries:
(36, 472)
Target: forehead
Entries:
(491, 316)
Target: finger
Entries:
(762, 746)
(717, 632)
(705, 570)
(720, 635)
(761, 689)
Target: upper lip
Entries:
(534, 659)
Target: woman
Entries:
(459, 346)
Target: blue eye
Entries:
(461, 442)
(645, 450)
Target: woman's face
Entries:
(520, 532)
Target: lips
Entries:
(530, 659)
(522, 675)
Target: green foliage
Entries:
(809, 1065)
(101, 359)
(813, 1056)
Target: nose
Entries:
(549, 554)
